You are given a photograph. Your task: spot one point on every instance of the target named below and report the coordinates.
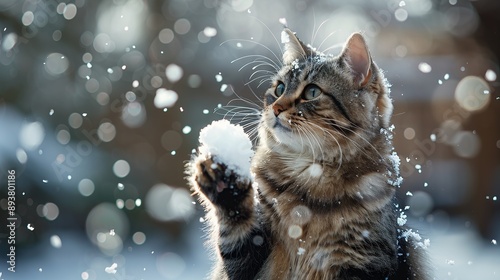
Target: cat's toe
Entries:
(208, 176)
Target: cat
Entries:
(322, 202)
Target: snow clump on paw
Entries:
(228, 144)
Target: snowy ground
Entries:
(455, 253)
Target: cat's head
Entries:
(325, 104)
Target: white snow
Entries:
(111, 269)
(433, 137)
(315, 170)
(301, 251)
(223, 87)
(283, 21)
(186, 129)
(409, 233)
(402, 219)
(229, 144)
(165, 98)
(424, 67)
(209, 31)
(218, 77)
(55, 241)
(284, 37)
(174, 73)
(490, 75)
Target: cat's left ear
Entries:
(294, 48)
(358, 59)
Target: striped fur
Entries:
(321, 205)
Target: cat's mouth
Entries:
(281, 124)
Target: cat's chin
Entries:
(286, 137)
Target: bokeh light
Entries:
(105, 227)
(170, 265)
(31, 135)
(472, 93)
(121, 168)
(86, 187)
(56, 64)
(50, 211)
(166, 203)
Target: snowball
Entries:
(229, 144)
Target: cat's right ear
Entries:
(358, 58)
(294, 48)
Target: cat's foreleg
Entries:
(241, 242)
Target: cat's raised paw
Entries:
(220, 185)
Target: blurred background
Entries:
(101, 103)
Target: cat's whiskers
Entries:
(251, 128)
(316, 31)
(332, 47)
(341, 153)
(319, 145)
(260, 60)
(262, 78)
(304, 132)
(261, 45)
(346, 127)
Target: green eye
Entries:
(311, 92)
(280, 89)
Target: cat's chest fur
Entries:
(318, 218)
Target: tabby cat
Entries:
(322, 203)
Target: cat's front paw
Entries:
(221, 185)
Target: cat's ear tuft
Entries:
(294, 48)
(358, 58)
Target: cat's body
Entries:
(324, 179)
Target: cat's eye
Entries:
(311, 92)
(280, 89)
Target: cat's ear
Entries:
(294, 48)
(358, 59)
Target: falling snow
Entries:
(283, 21)
(111, 269)
(218, 77)
(402, 219)
(424, 67)
(165, 98)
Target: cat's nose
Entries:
(277, 108)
